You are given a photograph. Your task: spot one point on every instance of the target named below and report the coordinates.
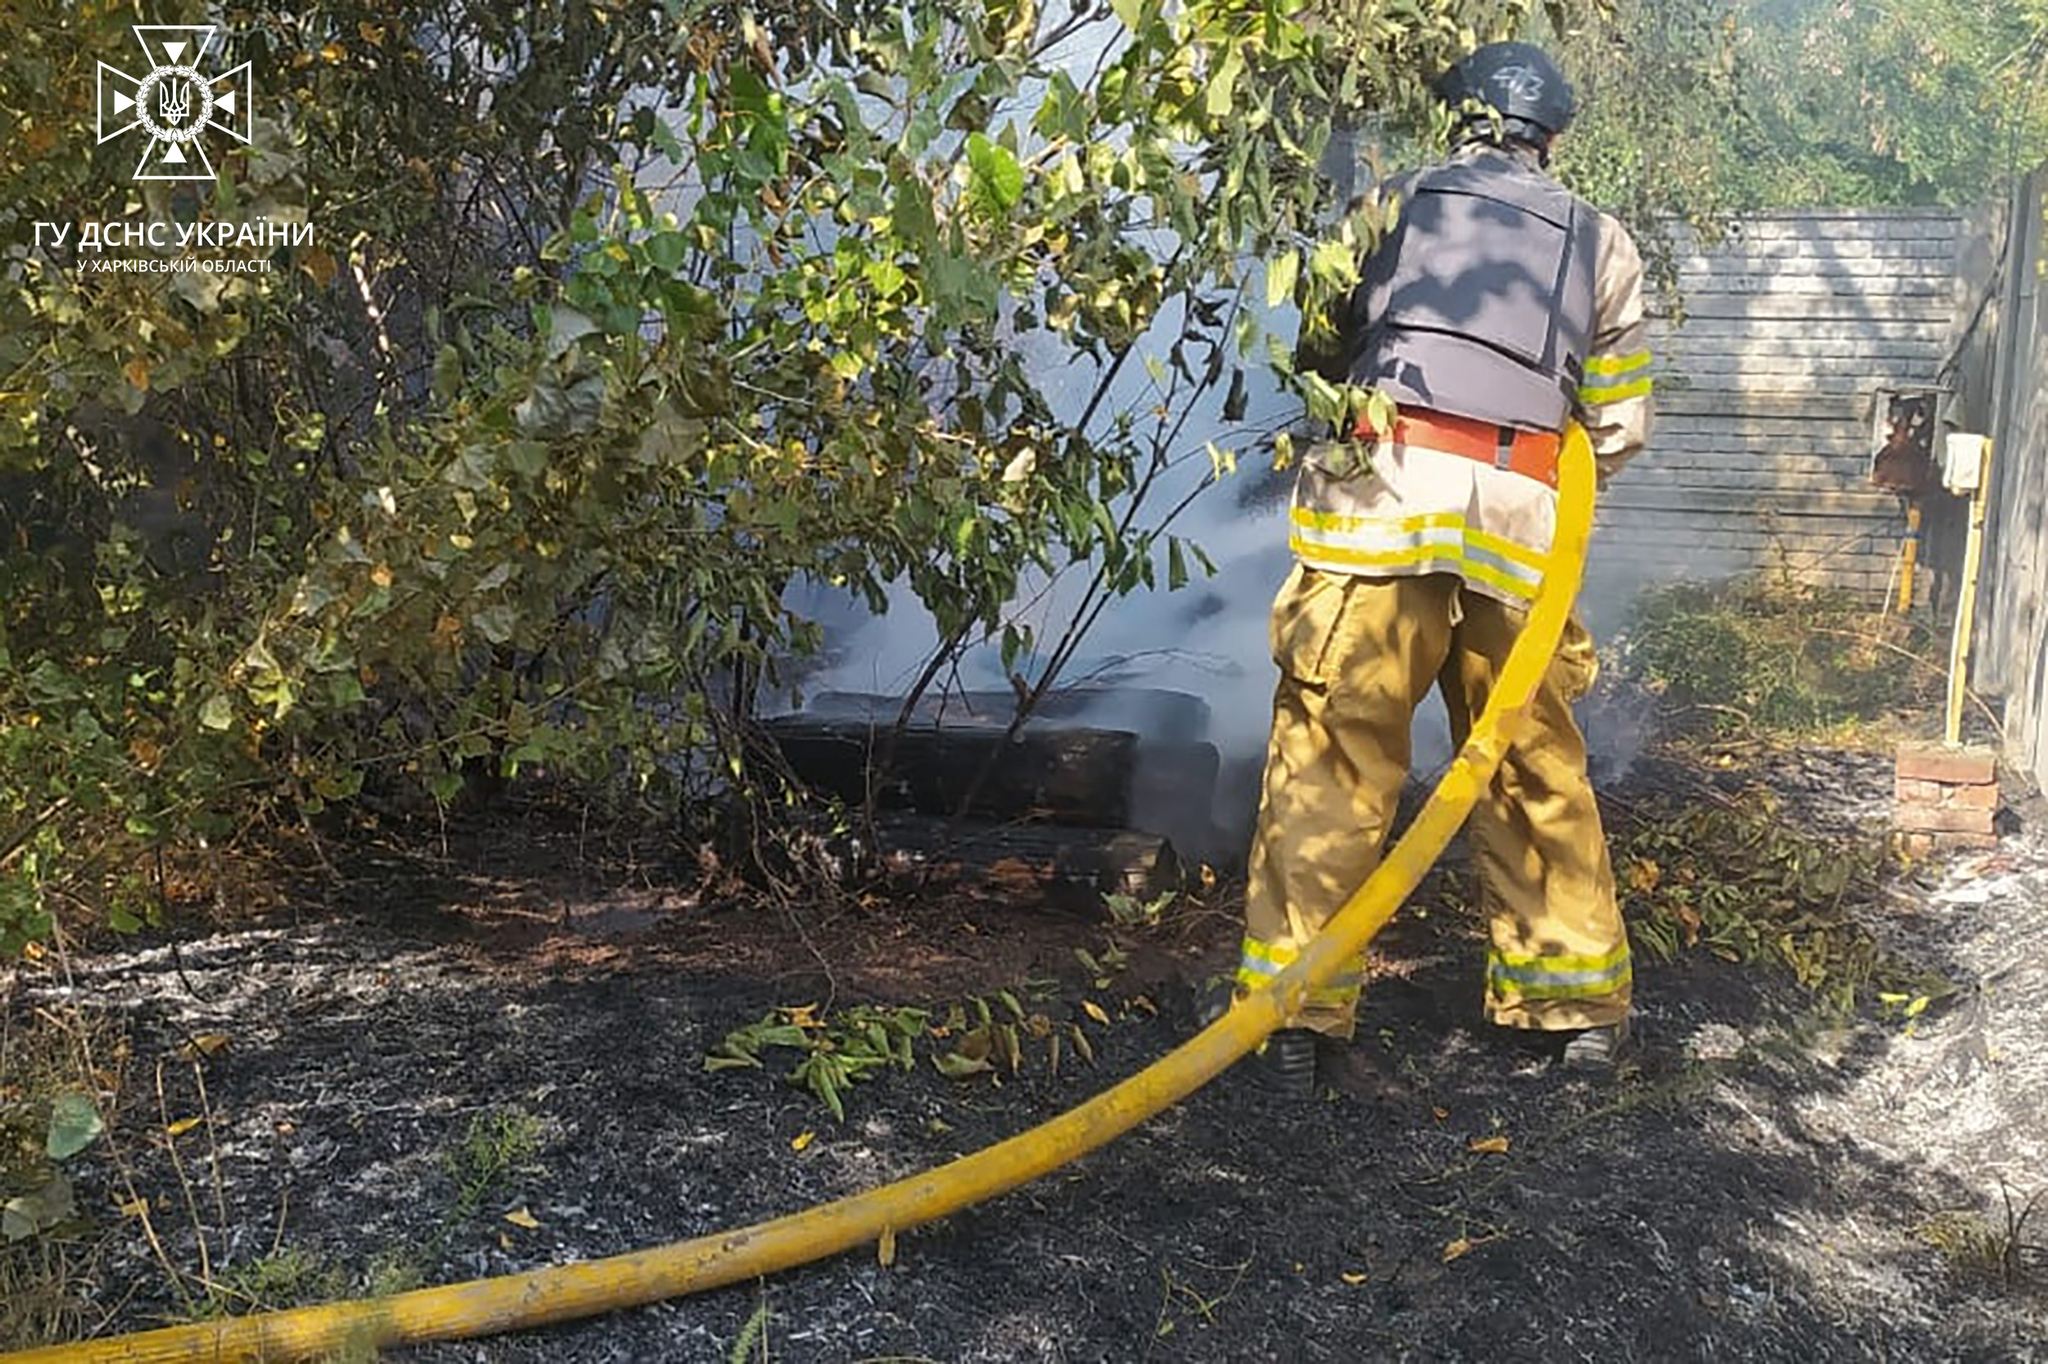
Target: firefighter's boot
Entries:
(1597, 1050)
(1288, 1064)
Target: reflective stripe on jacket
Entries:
(1422, 511)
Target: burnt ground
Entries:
(1768, 1180)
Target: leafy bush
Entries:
(619, 320)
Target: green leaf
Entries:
(471, 469)
(1222, 91)
(911, 216)
(887, 277)
(217, 713)
(1334, 264)
(447, 373)
(527, 457)
(995, 180)
(566, 326)
(954, 1066)
(38, 1210)
(1281, 273)
(1380, 411)
(496, 622)
(827, 1087)
(666, 251)
(75, 1124)
(553, 409)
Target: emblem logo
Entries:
(1523, 83)
(175, 103)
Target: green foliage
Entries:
(516, 464)
(1739, 881)
(2008, 1249)
(1700, 109)
(982, 1035)
(393, 1271)
(75, 1124)
(290, 1277)
(497, 1144)
(836, 1050)
(1660, 89)
(1780, 662)
(1128, 911)
(984, 1040)
(35, 1193)
(44, 1258)
(752, 1341)
(1886, 102)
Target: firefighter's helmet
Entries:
(1519, 82)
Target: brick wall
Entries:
(1762, 444)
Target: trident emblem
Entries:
(174, 100)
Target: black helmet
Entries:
(1518, 81)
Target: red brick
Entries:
(1974, 797)
(1909, 791)
(1926, 845)
(1942, 819)
(1955, 766)
(1913, 845)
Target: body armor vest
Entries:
(1481, 302)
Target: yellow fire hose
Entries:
(566, 1292)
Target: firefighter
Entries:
(1499, 307)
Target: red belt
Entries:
(1532, 454)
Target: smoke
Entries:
(1210, 639)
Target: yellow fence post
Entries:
(1909, 558)
(1966, 604)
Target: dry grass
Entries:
(1770, 661)
(2005, 1247)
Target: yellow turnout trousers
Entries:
(1357, 655)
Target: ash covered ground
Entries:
(1769, 1180)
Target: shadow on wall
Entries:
(1210, 640)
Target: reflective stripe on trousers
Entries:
(1557, 976)
(1262, 960)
